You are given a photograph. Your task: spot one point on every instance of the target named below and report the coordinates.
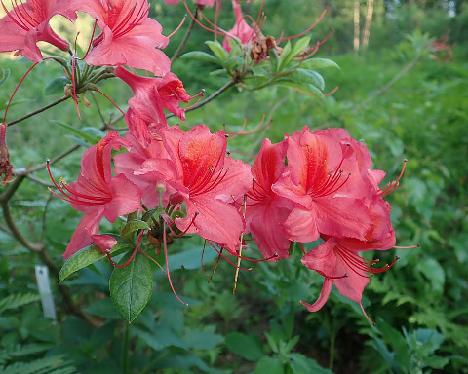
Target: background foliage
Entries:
(420, 306)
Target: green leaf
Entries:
(132, 226)
(56, 86)
(286, 57)
(103, 308)
(217, 50)
(301, 364)
(131, 287)
(318, 63)
(304, 87)
(244, 345)
(81, 134)
(433, 271)
(200, 56)
(300, 46)
(270, 365)
(166, 337)
(191, 259)
(309, 76)
(205, 338)
(84, 258)
(17, 300)
(48, 364)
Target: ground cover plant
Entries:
(249, 218)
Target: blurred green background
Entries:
(399, 95)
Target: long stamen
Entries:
(407, 246)
(220, 254)
(178, 27)
(168, 271)
(91, 40)
(217, 30)
(331, 277)
(213, 184)
(202, 256)
(110, 100)
(73, 90)
(307, 30)
(354, 264)
(16, 19)
(385, 268)
(73, 197)
(131, 20)
(239, 259)
(15, 91)
(134, 253)
(215, 266)
(151, 259)
(393, 186)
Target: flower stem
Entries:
(125, 348)
(37, 111)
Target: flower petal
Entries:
(266, 223)
(216, 221)
(322, 299)
(82, 237)
(301, 225)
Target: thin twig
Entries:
(39, 181)
(44, 216)
(37, 111)
(4, 202)
(186, 37)
(52, 161)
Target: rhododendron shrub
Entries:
(156, 181)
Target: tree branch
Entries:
(37, 111)
(38, 248)
(26, 171)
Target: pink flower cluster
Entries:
(321, 185)
(313, 185)
(128, 36)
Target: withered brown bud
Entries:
(262, 46)
(6, 170)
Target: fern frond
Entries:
(17, 300)
(45, 365)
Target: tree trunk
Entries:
(357, 27)
(367, 27)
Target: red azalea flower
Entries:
(151, 97)
(208, 182)
(267, 211)
(134, 165)
(242, 31)
(28, 23)
(324, 181)
(97, 193)
(128, 36)
(339, 261)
